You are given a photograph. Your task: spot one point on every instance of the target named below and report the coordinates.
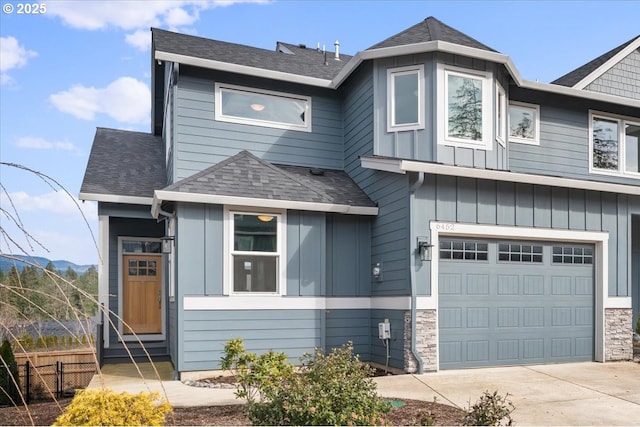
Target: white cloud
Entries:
(125, 100)
(55, 202)
(12, 55)
(140, 39)
(135, 16)
(43, 144)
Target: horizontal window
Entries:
(141, 246)
(524, 123)
(257, 107)
(517, 252)
(463, 250)
(572, 255)
(615, 145)
(405, 98)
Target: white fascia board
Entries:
(114, 198)
(173, 196)
(241, 69)
(607, 65)
(403, 166)
(617, 302)
(578, 93)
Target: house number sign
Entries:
(446, 226)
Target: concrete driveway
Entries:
(563, 394)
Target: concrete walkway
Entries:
(563, 394)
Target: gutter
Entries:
(414, 297)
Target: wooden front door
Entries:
(142, 294)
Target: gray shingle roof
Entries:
(245, 175)
(125, 163)
(305, 62)
(431, 29)
(572, 78)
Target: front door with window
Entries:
(142, 294)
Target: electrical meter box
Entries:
(384, 330)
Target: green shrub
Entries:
(490, 410)
(106, 408)
(9, 379)
(333, 389)
(638, 325)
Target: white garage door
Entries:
(514, 302)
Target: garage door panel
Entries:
(502, 312)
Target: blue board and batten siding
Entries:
(477, 201)
(326, 256)
(200, 141)
(421, 144)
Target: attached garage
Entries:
(514, 302)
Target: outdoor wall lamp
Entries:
(167, 244)
(376, 271)
(424, 248)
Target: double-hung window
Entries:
(465, 116)
(405, 98)
(614, 145)
(255, 252)
(257, 107)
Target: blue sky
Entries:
(86, 64)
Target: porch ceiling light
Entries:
(257, 107)
(265, 218)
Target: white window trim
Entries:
(443, 107)
(501, 123)
(171, 259)
(536, 115)
(219, 116)
(622, 161)
(391, 72)
(141, 337)
(227, 288)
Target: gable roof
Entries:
(596, 67)
(247, 180)
(124, 166)
(431, 29)
(304, 61)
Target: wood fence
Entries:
(76, 355)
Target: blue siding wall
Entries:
(564, 138)
(205, 333)
(471, 201)
(396, 344)
(200, 141)
(348, 255)
(306, 262)
(635, 267)
(349, 325)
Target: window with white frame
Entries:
(466, 99)
(614, 144)
(256, 263)
(405, 98)
(237, 104)
(501, 114)
(524, 123)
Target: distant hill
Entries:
(60, 265)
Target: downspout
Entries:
(414, 297)
(176, 374)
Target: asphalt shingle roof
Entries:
(245, 175)
(430, 29)
(572, 78)
(125, 163)
(305, 62)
